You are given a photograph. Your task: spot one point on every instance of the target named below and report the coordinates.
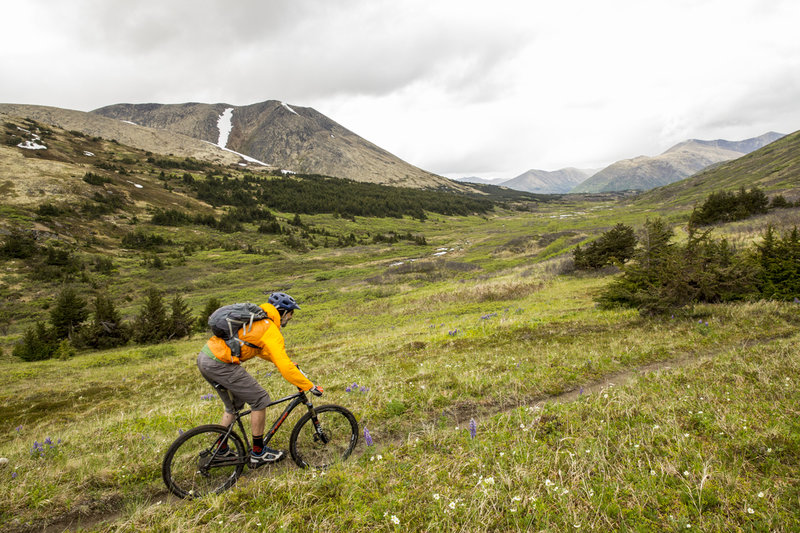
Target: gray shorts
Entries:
(243, 386)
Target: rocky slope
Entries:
(295, 138)
(145, 138)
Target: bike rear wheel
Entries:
(329, 443)
(192, 469)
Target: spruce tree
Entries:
(202, 321)
(38, 343)
(152, 324)
(181, 319)
(69, 313)
(106, 329)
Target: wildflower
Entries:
(750, 510)
(473, 428)
(180, 432)
(656, 426)
(453, 333)
(19, 428)
(548, 483)
(367, 437)
(13, 475)
(760, 494)
(452, 505)
(580, 391)
(685, 473)
(436, 496)
(395, 520)
(652, 472)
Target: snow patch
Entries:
(32, 145)
(135, 184)
(284, 104)
(245, 157)
(129, 122)
(225, 125)
(89, 154)
(284, 171)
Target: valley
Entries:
(451, 308)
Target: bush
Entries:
(726, 206)
(64, 351)
(18, 245)
(665, 277)
(95, 179)
(614, 246)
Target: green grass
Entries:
(587, 419)
(116, 412)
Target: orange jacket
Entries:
(266, 334)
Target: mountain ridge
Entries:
(295, 138)
(676, 163)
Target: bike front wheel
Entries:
(326, 439)
(193, 468)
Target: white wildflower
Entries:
(760, 494)
(750, 510)
(436, 496)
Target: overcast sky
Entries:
(457, 87)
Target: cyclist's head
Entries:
(283, 302)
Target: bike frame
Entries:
(294, 399)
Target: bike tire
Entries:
(338, 425)
(187, 470)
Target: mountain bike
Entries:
(193, 467)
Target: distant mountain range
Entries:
(548, 182)
(640, 173)
(679, 162)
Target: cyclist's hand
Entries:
(316, 390)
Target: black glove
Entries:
(316, 390)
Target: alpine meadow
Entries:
(515, 361)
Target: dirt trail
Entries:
(77, 521)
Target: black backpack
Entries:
(226, 322)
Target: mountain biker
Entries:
(263, 339)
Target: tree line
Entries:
(661, 276)
(75, 323)
(314, 194)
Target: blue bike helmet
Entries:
(283, 301)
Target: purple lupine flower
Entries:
(473, 428)
(367, 437)
(13, 475)
(364, 389)
(348, 389)
(580, 391)
(19, 428)
(453, 333)
(796, 300)
(180, 432)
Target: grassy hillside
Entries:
(774, 168)
(585, 419)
